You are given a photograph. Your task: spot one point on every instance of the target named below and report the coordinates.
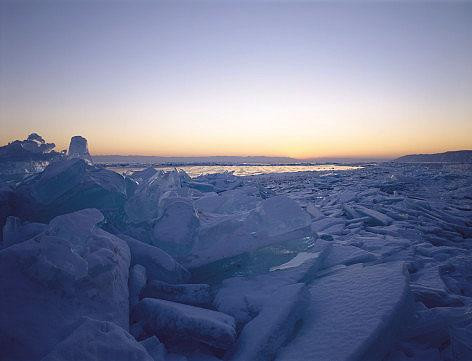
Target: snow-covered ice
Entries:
(353, 314)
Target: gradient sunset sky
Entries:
(306, 79)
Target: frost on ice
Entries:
(366, 264)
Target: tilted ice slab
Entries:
(429, 277)
(67, 186)
(353, 315)
(68, 178)
(143, 175)
(263, 336)
(340, 254)
(221, 181)
(244, 297)
(190, 294)
(270, 304)
(322, 224)
(177, 227)
(275, 220)
(175, 321)
(376, 218)
(143, 205)
(231, 201)
(159, 265)
(57, 180)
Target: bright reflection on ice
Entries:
(296, 261)
(242, 170)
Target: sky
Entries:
(300, 79)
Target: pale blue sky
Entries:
(299, 79)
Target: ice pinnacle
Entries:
(78, 148)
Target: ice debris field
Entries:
(366, 264)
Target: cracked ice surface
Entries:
(366, 264)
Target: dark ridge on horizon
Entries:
(457, 156)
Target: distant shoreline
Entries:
(208, 164)
(226, 160)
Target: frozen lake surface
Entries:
(239, 170)
(286, 263)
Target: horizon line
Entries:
(241, 156)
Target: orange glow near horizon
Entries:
(376, 140)
(282, 122)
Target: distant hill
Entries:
(347, 160)
(459, 156)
